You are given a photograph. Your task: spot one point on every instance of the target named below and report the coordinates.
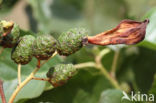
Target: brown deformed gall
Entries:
(127, 32)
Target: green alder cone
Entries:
(22, 53)
(12, 38)
(61, 73)
(44, 46)
(71, 41)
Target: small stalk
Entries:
(2, 92)
(19, 74)
(83, 65)
(104, 70)
(22, 85)
(38, 63)
(108, 76)
(42, 79)
(98, 65)
(114, 64)
(26, 81)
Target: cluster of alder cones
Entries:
(43, 46)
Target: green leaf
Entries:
(133, 68)
(151, 31)
(112, 96)
(144, 68)
(150, 39)
(153, 88)
(147, 44)
(33, 89)
(8, 73)
(83, 87)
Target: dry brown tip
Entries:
(127, 32)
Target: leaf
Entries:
(147, 44)
(151, 31)
(83, 87)
(33, 89)
(153, 88)
(150, 40)
(8, 73)
(143, 70)
(112, 96)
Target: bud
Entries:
(44, 46)
(61, 73)
(71, 41)
(22, 53)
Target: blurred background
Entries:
(136, 65)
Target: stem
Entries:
(42, 79)
(83, 65)
(116, 56)
(48, 59)
(108, 76)
(2, 92)
(30, 77)
(19, 74)
(103, 69)
(38, 63)
(101, 54)
(99, 66)
(22, 85)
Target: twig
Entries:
(42, 79)
(99, 66)
(108, 76)
(83, 65)
(101, 54)
(30, 77)
(38, 63)
(103, 69)
(114, 64)
(48, 59)
(22, 85)
(19, 74)
(2, 92)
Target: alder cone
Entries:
(5, 27)
(61, 73)
(71, 41)
(44, 46)
(22, 53)
(11, 38)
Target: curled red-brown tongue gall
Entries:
(127, 32)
